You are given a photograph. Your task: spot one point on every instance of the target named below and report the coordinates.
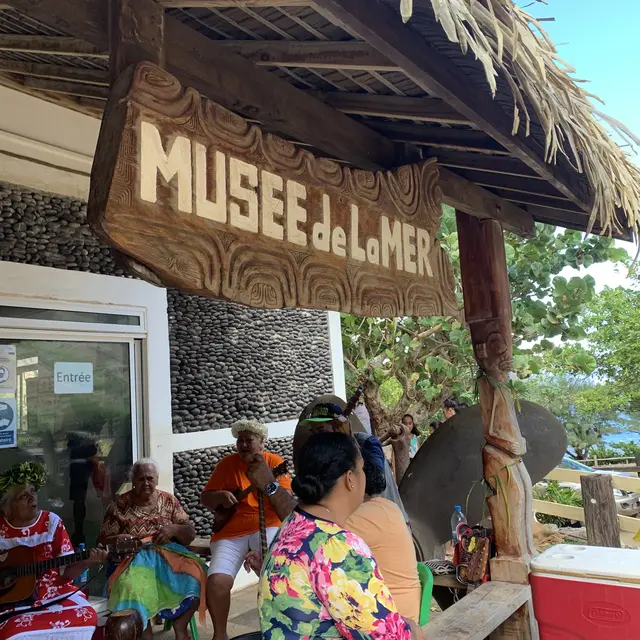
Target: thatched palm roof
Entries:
(538, 151)
(512, 45)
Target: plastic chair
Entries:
(426, 582)
(193, 627)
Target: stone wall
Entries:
(227, 361)
(192, 469)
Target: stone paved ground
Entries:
(243, 617)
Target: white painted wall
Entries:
(45, 146)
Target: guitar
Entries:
(352, 403)
(19, 570)
(224, 514)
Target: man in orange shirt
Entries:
(230, 546)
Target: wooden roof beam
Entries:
(311, 54)
(368, 104)
(511, 183)
(381, 26)
(222, 4)
(50, 45)
(87, 106)
(568, 220)
(56, 72)
(546, 202)
(68, 88)
(441, 137)
(483, 162)
(468, 197)
(241, 86)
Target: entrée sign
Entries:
(208, 203)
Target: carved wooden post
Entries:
(487, 306)
(136, 34)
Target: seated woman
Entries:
(380, 523)
(58, 609)
(320, 580)
(163, 578)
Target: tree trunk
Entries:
(401, 451)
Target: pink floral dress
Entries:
(71, 616)
(320, 581)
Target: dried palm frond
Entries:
(406, 9)
(511, 43)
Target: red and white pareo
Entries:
(72, 616)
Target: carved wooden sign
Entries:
(204, 201)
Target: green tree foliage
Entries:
(554, 492)
(570, 399)
(615, 449)
(423, 360)
(613, 320)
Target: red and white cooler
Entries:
(587, 593)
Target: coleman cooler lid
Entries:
(599, 563)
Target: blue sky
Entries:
(604, 47)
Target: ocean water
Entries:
(627, 436)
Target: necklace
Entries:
(28, 525)
(150, 506)
(331, 514)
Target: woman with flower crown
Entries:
(57, 608)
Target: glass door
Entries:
(76, 404)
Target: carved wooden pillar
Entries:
(136, 34)
(487, 306)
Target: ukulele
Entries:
(224, 514)
(19, 571)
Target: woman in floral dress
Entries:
(320, 580)
(58, 608)
(164, 578)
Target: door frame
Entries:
(49, 288)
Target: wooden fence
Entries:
(621, 463)
(595, 461)
(629, 527)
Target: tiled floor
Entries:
(243, 618)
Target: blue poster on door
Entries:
(8, 423)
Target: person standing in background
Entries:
(452, 406)
(414, 443)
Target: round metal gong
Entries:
(447, 470)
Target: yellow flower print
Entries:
(335, 550)
(350, 603)
(381, 592)
(264, 592)
(298, 575)
(299, 587)
(327, 527)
